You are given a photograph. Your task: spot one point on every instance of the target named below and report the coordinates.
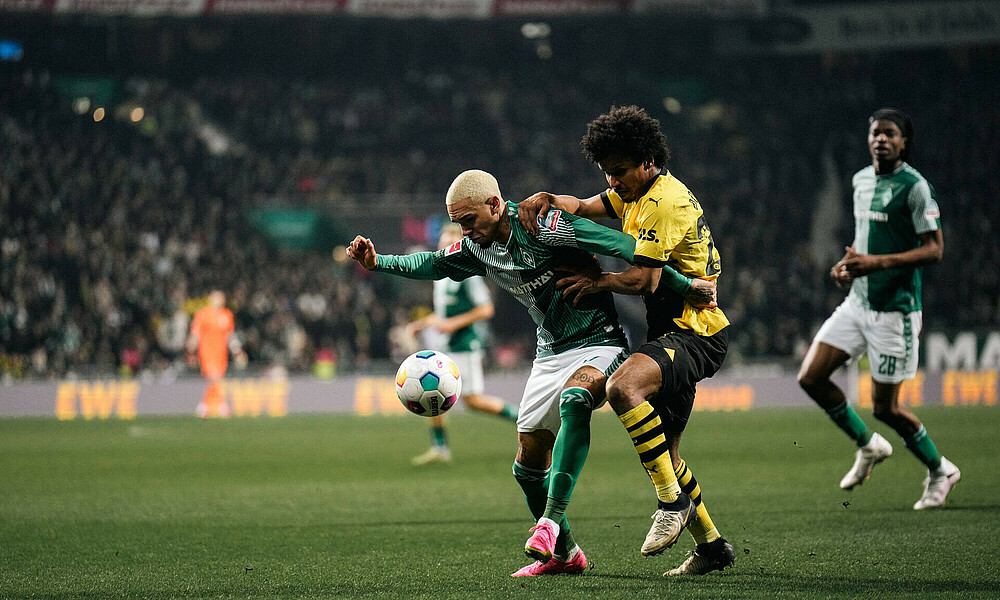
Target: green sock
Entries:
(569, 453)
(924, 449)
(509, 413)
(848, 420)
(535, 484)
(437, 437)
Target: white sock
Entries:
(551, 523)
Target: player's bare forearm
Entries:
(453, 324)
(415, 327)
(636, 281)
(930, 251)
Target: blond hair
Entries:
(478, 186)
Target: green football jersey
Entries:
(452, 298)
(527, 267)
(890, 211)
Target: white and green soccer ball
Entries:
(428, 383)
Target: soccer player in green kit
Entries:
(460, 307)
(578, 346)
(897, 231)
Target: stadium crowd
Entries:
(113, 231)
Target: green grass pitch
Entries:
(329, 506)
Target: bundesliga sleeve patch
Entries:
(452, 249)
(551, 221)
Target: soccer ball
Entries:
(428, 383)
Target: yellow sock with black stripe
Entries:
(646, 430)
(702, 529)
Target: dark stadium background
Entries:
(272, 133)
(151, 150)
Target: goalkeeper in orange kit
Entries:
(212, 336)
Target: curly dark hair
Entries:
(626, 131)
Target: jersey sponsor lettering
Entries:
(871, 215)
(532, 285)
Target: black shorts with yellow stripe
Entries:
(685, 358)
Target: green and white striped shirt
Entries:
(890, 212)
(527, 267)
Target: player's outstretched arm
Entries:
(363, 250)
(533, 209)
(419, 265)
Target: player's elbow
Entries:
(487, 310)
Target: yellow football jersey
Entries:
(669, 227)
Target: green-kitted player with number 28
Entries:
(897, 230)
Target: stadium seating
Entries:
(111, 228)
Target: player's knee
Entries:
(810, 381)
(617, 395)
(534, 448)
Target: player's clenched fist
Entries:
(362, 250)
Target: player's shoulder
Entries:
(667, 196)
(911, 176)
(454, 248)
(867, 172)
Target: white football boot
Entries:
(667, 526)
(937, 485)
(714, 556)
(875, 451)
(436, 454)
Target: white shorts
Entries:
(470, 365)
(889, 338)
(539, 407)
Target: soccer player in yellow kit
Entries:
(653, 391)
